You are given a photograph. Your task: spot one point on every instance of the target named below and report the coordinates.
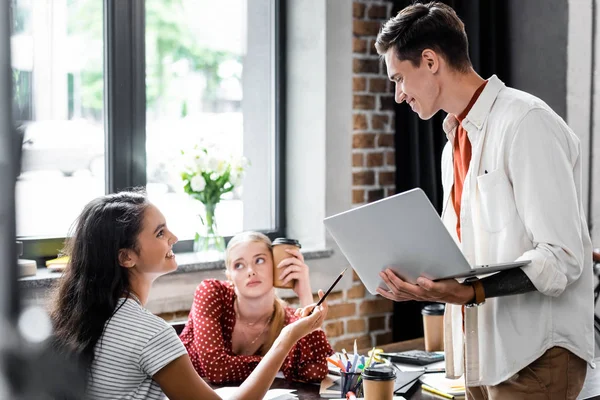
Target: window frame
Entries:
(125, 114)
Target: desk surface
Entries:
(306, 391)
(591, 388)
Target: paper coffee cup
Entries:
(378, 382)
(433, 326)
(279, 246)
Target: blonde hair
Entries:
(278, 318)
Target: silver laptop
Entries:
(405, 233)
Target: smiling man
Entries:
(511, 173)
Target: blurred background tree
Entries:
(169, 41)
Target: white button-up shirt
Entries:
(522, 199)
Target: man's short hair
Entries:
(432, 26)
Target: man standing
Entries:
(511, 173)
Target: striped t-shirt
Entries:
(135, 345)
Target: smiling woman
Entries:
(233, 324)
(121, 244)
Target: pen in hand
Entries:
(328, 290)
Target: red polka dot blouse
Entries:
(207, 338)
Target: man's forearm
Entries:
(506, 283)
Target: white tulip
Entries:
(188, 162)
(197, 183)
(221, 167)
(213, 163)
(200, 161)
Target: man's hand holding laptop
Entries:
(442, 291)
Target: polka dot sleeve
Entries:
(207, 335)
(307, 361)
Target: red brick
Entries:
(383, 338)
(363, 141)
(334, 329)
(332, 297)
(359, 122)
(376, 323)
(365, 28)
(390, 192)
(362, 342)
(385, 140)
(167, 316)
(374, 195)
(374, 159)
(363, 102)
(372, 50)
(378, 85)
(365, 65)
(356, 292)
(358, 197)
(358, 10)
(359, 46)
(182, 315)
(390, 158)
(356, 326)
(292, 301)
(359, 84)
(379, 306)
(379, 121)
(387, 178)
(387, 102)
(341, 310)
(378, 12)
(363, 178)
(358, 160)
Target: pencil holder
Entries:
(351, 382)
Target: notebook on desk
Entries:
(404, 233)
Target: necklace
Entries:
(251, 324)
(135, 298)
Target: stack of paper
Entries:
(331, 387)
(272, 394)
(439, 384)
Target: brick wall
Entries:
(373, 158)
(354, 314)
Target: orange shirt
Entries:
(462, 157)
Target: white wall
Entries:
(582, 90)
(319, 118)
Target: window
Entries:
(209, 82)
(57, 69)
(109, 93)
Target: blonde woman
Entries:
(233, 324)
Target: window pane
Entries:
(57, 63)
(209, 83)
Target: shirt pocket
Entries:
(496, 200)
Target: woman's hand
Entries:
(308, 322)
(294, 268)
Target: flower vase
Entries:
(207, 240)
